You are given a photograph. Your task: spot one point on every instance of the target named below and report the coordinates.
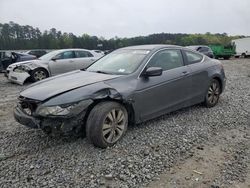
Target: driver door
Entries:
(157, 95)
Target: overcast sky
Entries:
(126, 18)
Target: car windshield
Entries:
(119, 62)
(48, 56)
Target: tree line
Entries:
(16, 37)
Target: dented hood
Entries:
(34, 61)
(53, 86)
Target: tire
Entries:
(38, 74)
(244, 55)
(226, 57)
(102, 129)
(213, 93)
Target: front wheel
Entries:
(106, 124)
(213, 93)
(39, 74)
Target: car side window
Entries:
(81, 54)
(193, 57)
(166, 59)
(7, 55)
(203, 49)
(65, 55)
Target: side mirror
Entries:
(153, 71)
(54, 59)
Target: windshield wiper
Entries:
(102, 72)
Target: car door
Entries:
(6, 59)
(160, 94)
(83, 59)
(198, 74)
(62, 62)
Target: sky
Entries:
(129, 18)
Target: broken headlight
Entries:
(22, 68)
(63, 110)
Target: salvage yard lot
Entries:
(170, 151)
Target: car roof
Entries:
(150, 47)
(197, 46)
(70, 49)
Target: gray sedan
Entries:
(127, 86)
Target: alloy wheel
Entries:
(113, 126)
(213, 93)
(39, 75)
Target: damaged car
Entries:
(51, 64)
(9, 57)
(128, 86)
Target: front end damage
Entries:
(20, 73)
(18, 77)
(34, 114)
(64, 118)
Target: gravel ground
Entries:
(29, 158)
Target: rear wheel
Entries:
(244, 55)
(213, 93)
(39, 74)
(107, 123)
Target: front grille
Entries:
(27, 105)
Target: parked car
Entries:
(99, 52)
(37, 53)
(51, 64)
(127, 86)
(203, 49)
(242, 47)
(8, 57)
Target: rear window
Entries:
(80, 54)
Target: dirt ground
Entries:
(222, 159)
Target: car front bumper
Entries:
(54, 124)
(24, 119)
(18, 77)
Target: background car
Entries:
(37, 53)
(203, 49)
(51, 64)
(102, 53)
(8, 57)
(129, 85)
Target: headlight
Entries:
(22, 68)
(63, 110)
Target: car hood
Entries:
(35, 61)
(53, 86)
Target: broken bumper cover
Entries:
(18, 77)
(59, 124)
(24, 119)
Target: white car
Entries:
(51, 64)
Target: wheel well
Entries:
(42, 69)
(220, 82)
(129, 108)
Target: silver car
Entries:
(51, 64)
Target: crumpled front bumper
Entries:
(18, 77)
(24, 119)
(55, 124)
